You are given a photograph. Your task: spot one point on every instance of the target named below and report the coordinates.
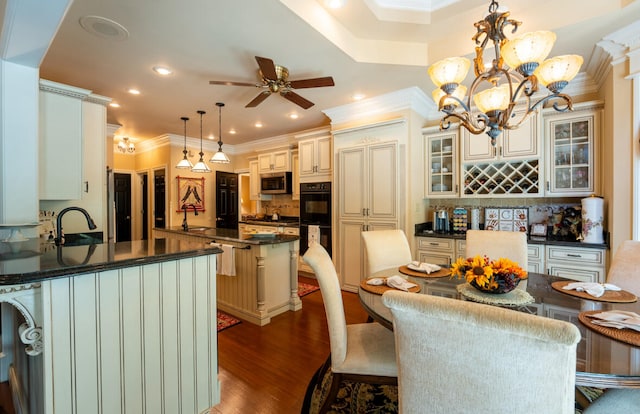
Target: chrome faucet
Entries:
(59, 239)
(185, 226)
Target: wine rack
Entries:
(502, 178)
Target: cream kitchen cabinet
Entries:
(295, 173)
(60, 141)
(315, 159)
(441, 163)
(254, 183)
(584, 264)
(436, 250)
(535, 258)
(368, 200)
(278, 161)
(573, 142)
(519, 143)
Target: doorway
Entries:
(159, 198)
(144, 192)
(122, 195)
(226, 200)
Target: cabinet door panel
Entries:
(521, 142)
(582, 275)
(476, 147)
(352, 182)
(324, 155)
(306, 152)
(383, 192)
(436, 257)
(351, 254)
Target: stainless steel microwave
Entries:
(275, 183)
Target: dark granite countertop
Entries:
(35, 260)
(284, 222)
(232, 235)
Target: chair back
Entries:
(456, 356)
(385, 249)
(625, 267)
(496, 244)
(320, 261)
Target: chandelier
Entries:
(125, 146)
(518, 67)
(220, 157)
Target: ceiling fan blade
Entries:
(312, 83)
(297, 99)
(267, 67)
(230, 83)
(258, 99)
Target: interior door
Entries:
(159, 203)
(122, 193)
(226, 200)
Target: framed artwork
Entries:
(190, 191)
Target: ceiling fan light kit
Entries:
(518, 67)
(275, 79)
(220, 157)
(201, 166)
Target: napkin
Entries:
(423, 267)
(396, 282)
(617, 319)
(594, 289)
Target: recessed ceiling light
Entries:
(293, 116)
(335, 4)
(162, 70)
(103, 27)
(114, 105)
(258, 124)
(211, 136)
(357, 96)
(232, 131)
(133, 91)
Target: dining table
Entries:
(603, 360)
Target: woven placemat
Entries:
(440, 273)
(616, 296)
(514, 298)
(626, 335)
(380, 289)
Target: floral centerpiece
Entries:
(491, 276)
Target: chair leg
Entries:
(334, 386)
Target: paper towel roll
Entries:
(475, 219)
(592, 219)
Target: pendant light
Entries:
(184, 162)
(220, 157)
(200, 166)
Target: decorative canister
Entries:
(592, 220)
(475, 219)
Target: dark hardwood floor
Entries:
(267, 369)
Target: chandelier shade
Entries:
(449, 70)
(125, 146)
(201, 166)
(184, 162)
(558, 70)
(528, 48)
(220, 157)
(511, 77)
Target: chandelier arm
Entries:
(466, 120)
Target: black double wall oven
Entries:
(315, 211)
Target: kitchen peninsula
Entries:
(117, 327)
(265, 283)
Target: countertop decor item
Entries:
(490, 276)
(592, 219)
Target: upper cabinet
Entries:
(441, 163)
(278, 161)
(61, 141)
(315, 159)
(522, 142)
(255, 192)
(295, 173)
(572, 156)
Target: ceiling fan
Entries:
(275, 79)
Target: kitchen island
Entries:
(116, 327)
(265, 283)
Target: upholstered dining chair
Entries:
(362, 352)
(464, 357)
(385, 249)
(625, 273)
(496, 244)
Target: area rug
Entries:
(305, 288)
(226, 321)
(357, 398)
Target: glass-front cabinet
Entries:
(572, 158)
(441, 162)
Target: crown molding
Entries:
(405, 99)
(62, 89)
